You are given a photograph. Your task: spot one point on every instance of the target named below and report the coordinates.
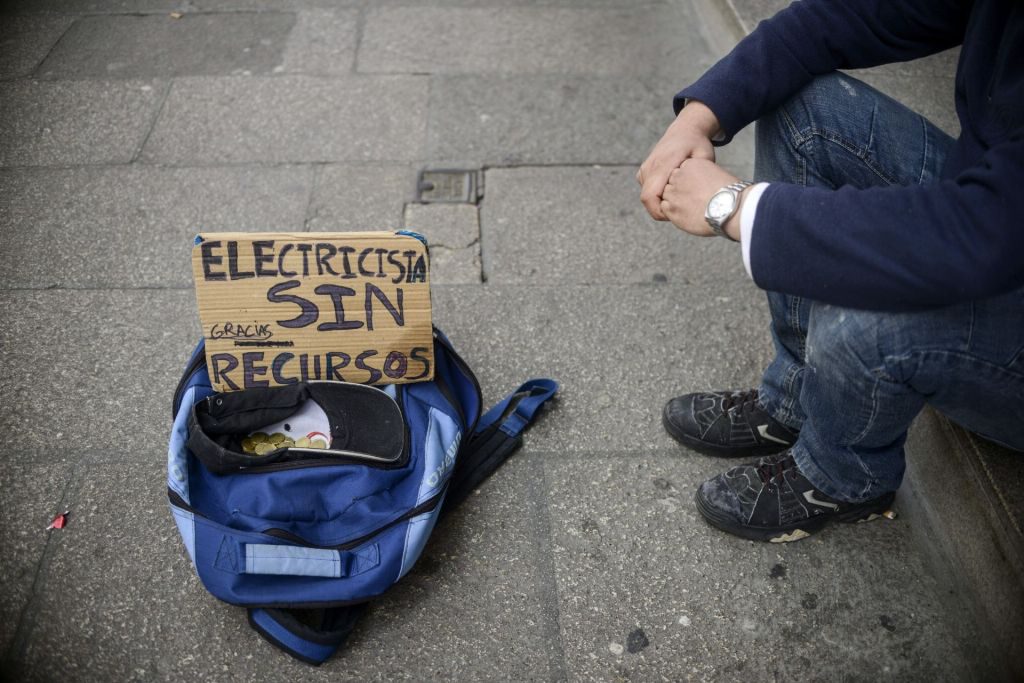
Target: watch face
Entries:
(721, 205)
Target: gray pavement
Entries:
(125, 129)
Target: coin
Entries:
(277, 437)
(318, 443)
(264, 448)
(287, 443)
(259, 437)
(248, 445)
(302, 442)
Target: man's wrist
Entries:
(698, 115)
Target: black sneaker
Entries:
(730, 424)
(771, 501)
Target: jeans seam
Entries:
(795, 137)
(871, 128)
(873, 414)
(860, 152)
(994, 366)
(918, 355)
(795, 303)
(853, 148)
(924, 156)
(831, 136)
(970, 330)
(796, 141)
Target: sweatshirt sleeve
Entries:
(962, 239)
(814, 37)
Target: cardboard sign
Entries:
(278, 308)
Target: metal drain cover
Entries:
(447, 186)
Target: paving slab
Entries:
(531, 3)
(75, 122)
(218, 5)
(290, 119)
(648, 591)
(518, 120)
(149, 46)
(619, 351)
(25, 41)
(272, 5)
(321, 42)
(585, 225)
(118, 591)
(93, 6)
(29, 499)
(429, 39)
(941, 65)
(453, 232)
(132, 226)
(361, 197)
(120, 601)
(752, 12)
(106, 362)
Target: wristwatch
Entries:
(722, 206)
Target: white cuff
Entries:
(747, 215)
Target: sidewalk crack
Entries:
(312, 211)
(548, 587)
(152, 124)
(13, 658)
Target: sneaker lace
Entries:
(744, 400)
(771, 469)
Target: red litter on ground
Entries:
(59, 521)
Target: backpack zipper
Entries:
(425, 506)
(324, 462)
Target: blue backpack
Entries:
(303, 537)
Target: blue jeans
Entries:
(852, 380)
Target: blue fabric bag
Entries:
(304, 537)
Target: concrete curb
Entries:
(969, 545)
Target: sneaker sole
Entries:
(880, 507)
(707, 448)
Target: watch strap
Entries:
(718, 227)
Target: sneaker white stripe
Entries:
(763, 431)
(813, 500)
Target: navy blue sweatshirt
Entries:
(889, 248)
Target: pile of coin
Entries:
(262, 443)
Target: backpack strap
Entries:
(309, 635)
(498, 435)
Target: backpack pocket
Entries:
(360, 424)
